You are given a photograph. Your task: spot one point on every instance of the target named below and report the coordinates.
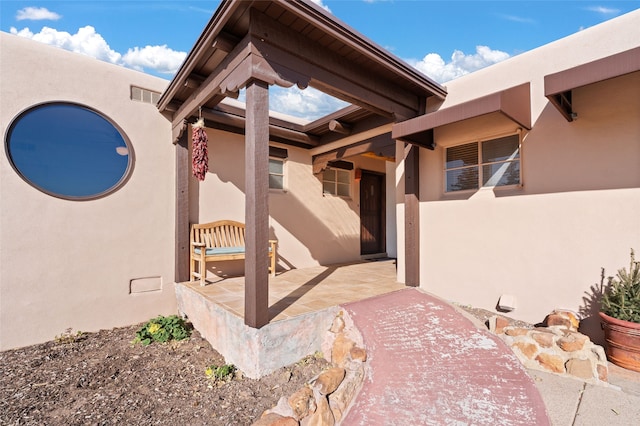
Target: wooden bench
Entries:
(218, 241)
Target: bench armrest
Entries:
(193, 243)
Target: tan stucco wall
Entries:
(577, 210)
(311, 228)
(69, 263)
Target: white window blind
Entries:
(494, 162)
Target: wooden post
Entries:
(256, 290)
(412, 216)
(181, 273)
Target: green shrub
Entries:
(621, 298)
(223, 373)
(162, 329)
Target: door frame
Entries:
(383, 210)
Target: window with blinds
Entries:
(489, 163)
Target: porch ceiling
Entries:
(558, 87)
(286, 42)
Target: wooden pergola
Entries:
(255, 44)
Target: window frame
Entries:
(480, 164)
(337, 182)
(284, 174)
(123, 179)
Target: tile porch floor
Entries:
(300, 291)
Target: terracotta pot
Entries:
(622, 342)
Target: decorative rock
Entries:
(572, 342)
(358, 354)
(581, 368)
(322, 416)
(571, 316)
(341, 348)
(328, 381)
(551, 362)
(302, 403)
(603, 372)
(516, 331)
(273, 419)
(497, 323)
(543, 338)
(338, 324)
(282, 408)
(342, 397)
(556, 319)
(527, 349)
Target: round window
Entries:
(68, 151)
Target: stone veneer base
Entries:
(256, 352)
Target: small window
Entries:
(489, 163)
(276, 173)
(68, 151)
(336, 182)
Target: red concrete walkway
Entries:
(429, 365)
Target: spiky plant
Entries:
(621, 298)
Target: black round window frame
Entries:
(116, 187)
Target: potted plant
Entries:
(620, 315)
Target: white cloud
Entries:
(160, 58)
(435, 67)
(604, 10)
(519, 19)
(309, 103)
(87, 42)
(37, 14)
(322, 5)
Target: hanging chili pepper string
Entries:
(200, 157)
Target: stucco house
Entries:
(517, 182)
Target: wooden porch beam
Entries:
(181, 270)
(275, 131)
(412, 216)
(338, 127)
(382, 144)
(256, 290)
(211, 87)
(329, 72)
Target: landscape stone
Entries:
(572, 342)
(581, 368)
(328, 381)
(544, 338)
(302, 403)
(527, 349)
(273, 419)
(323, 416)
(341, 348)
(551, 362)
(516, 331)
(358, 354)
(338, 325)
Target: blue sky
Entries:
(443, 39)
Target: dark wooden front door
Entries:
(372, 238)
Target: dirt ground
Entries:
(103, 379)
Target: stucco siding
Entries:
(545, 241)
(311, 228)
(70, 264)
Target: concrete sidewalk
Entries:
(430, 364)
(573, 402)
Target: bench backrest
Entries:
(223, 233)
